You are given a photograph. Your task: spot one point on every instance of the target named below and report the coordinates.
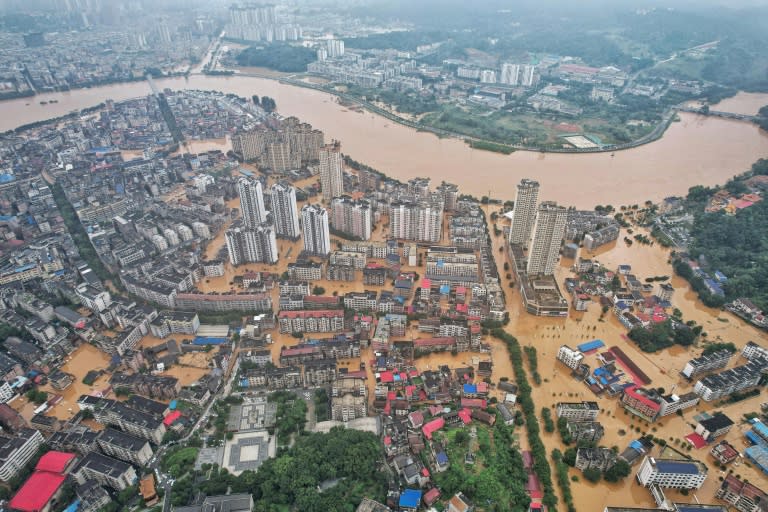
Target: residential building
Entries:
(724, 452)
(305, 271)
(353, 259)
(524, 212)
(713, 387)
(77, 438)
(672, 473)
(708, 363)
(93, 497)
(106, 471)
(569, 357)
(595, 458)
(713, 427)
(580, 411)
(752, 351)
(152, 386)
(140, 423)
(744, 496)
(251, 245)
(17, 451)
(352, 217)
(331, 170)
(420, 221)
(665, 292)
(252, 209)
(650, 405)
(125, 447)
(590, 431)
(548, 232)
(311, 321)
(225, 503)
(224, 302)
(349, 399)
(601, 237)
(284, 211)
(317, 236)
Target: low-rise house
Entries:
(595, 458)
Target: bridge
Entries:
(717, 113)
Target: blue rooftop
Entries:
(591, 345)
(73, 506)
(206, 340)
(441, 458)
(410, 498)
(470, 388)
(681, 468)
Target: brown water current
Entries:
(696, 150)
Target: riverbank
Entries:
(480, 143)
(695, 151)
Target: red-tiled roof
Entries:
(54, 462)
(432, 427)
(37, 491)
(173, 416)
(322, 313)
(642, 399)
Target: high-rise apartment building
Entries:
(284, 210)
(548, 233)
(525, 212)
(331, 167)
(509, 74)
(351, 217)
(317, 236)
(279, 157)
(252, 207)
(419, 221)
(526, 75)
(251, 245)
(335, 48)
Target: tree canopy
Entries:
(277, 56)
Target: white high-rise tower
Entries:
(547, 236)
(524, 212)
(317, 235)
(331, 166)
(251, 202)
(284, 210)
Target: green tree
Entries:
(592, 474)
(617, 472)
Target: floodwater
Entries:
(743, 103)
(663, 368)
(84, 359)
(696, 150)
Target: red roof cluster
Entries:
(172, 416)
(39, 488)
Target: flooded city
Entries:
(697, 150)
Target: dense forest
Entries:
(736, 245)
(278, 56)
(343, 463)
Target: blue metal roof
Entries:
(410, 498)
(442, 458)
(680, 468)
(470, 388)
(761, 429)
(591, 345)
